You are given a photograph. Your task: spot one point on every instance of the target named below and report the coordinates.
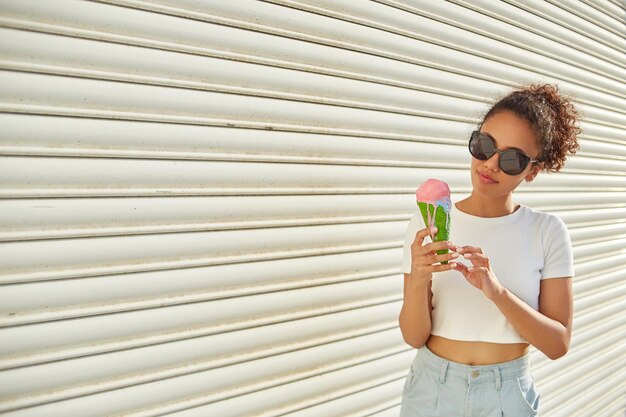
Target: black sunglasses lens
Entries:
(513, 162)
(481, 146)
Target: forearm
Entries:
(415, 321)
(548, 335)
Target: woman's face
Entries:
(509, 131)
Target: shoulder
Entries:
(542, 219)
(550, 228)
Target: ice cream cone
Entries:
(433, 200)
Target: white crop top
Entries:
(523, 247)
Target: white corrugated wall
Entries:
(203, 203)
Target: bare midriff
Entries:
(475, 353)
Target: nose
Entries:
(493, 163)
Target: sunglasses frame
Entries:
(514, 150)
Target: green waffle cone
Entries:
(442, 221)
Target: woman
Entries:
(507, 284)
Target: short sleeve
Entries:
(557, 251)
(415, 225)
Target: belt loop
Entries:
(444, 370)
(496, 370)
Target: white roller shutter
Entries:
(203, 203)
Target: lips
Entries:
(486, 176)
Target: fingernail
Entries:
(455, 255)
(467, 255)
(452, 265)
(450, 244)
(433, 229)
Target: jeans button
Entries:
(475, 374)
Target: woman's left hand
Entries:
(479, 274)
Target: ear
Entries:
(534, 171)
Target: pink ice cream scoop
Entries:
(433, 191)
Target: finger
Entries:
(435, 246)
(441, 268)
(462, 269)
(477, 259)
(421, 235)
(470, 249)
(444, 257)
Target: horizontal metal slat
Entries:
(58, 300)
(600, 149)
(370, 402)
(590, 13)
(612, 8)
(98, 256)
(598, 250)
(565, 26)
(284, 52)
(87, 59)
(612, 261)
(366, 396)
(167, 358)
(280, 400)
(600, 234)
(587, 284)
(521, 30)
(601, 135)
(83, 137)
(387, 412)
(608, 401)
(586, 316)
(210, 331)
(552, 18)
(284, 371)
(605, 393)
(36, 93)
(153, 366)
(590, 217)
(393, 29)
(590, 375)
(600, 296)
(82, 58)
(204, 317)
(311, 391)
(425, 80)
(565, 200)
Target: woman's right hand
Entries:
(423, 257)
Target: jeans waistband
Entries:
(474, 374)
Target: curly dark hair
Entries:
(551, 116)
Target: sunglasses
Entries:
(512, 161)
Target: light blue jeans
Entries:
(437, 387)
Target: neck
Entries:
(481, 206)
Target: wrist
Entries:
(499, 293)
